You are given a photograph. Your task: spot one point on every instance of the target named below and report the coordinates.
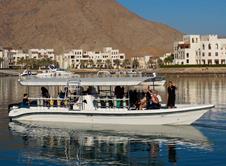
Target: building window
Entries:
(209, 54)
(203, 46)
(209, 46)
(216, 53)
(203, 54)
(193, 40)
(187, 55)
(216, 61)
(209, 62)
(203, 62)
(187, 61)
(217, 46)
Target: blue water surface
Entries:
(203, 143)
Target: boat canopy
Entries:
(102, 81)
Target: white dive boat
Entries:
(100, 107)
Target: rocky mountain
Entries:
(86, 24)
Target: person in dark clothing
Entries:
(171, 89)
(148, 98)
(117, 91)
(45, 92)
(172, 158)
(25, 103)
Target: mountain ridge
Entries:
(85, 24)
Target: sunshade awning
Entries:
(97, 81)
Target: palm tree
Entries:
(169, 59)
(160, 62)
(99, 63)
(82, 64)
(91, 63)
(135, 63)
(117, 63)
(108, 64)
(126, 63)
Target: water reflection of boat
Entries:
(185, 134)
(97, 143)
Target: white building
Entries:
(6, 56)
(196, 49)
(144, 61)
(12, 56)
(41, 53)
(77, 58)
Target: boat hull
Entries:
(177, 116)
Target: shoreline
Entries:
(192, 71)
(186, 71)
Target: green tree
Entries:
(126, 63)
(160, 62)
(82, 64)
(108, 64)
(150, 62)
(169, 59)
(99, 63)
(117, 63)
(135, 63)
(91, 63)
(36, 63)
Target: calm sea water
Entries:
(203, 143)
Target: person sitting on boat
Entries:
(152, 100)
(61, 94)
(148, 95)
(25, 103)
(142, 103)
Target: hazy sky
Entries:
(188, 16)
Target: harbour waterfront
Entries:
(27, 144)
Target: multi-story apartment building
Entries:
(196, 49)
(77, 58)
(6, 57)
(41, 53)
(144, 61)
(12, 56)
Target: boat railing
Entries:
(54, 102)
(108, 102)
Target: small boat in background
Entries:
(55, 72)
(157, 81)
(27, 73)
